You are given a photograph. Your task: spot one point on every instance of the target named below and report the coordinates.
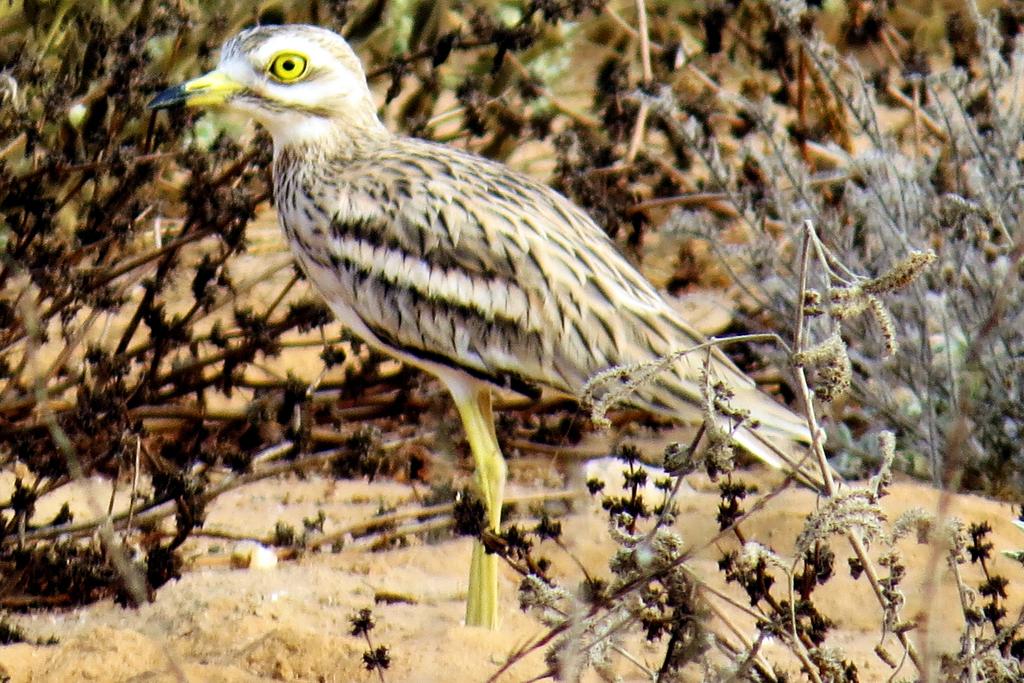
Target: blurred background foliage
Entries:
(150, 320)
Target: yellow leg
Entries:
(478, 421)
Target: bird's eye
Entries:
(287, 67)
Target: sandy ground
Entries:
(291, 622)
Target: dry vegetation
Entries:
(850, 172)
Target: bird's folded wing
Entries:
(473, 261)
(462, 261)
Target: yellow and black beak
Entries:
(211, 90)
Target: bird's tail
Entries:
(773, 433)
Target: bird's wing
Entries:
(472, 264)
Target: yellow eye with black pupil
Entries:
(287, 67)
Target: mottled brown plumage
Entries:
(454, 263)
(451, 259)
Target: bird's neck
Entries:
(303, 154)
(341, 136)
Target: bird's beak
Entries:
(211, 90)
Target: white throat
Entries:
(294, 128)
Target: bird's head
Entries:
(300, 82)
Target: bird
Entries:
(456, 264)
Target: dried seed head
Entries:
(812, 303)
(914, 520)
(847, 302)
(720, 453)
(545, 600)
(753, 554)
(678, 459)
(902, 274)
(832, 366)
(840, 514)
(881, 315)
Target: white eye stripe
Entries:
(282, 45)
